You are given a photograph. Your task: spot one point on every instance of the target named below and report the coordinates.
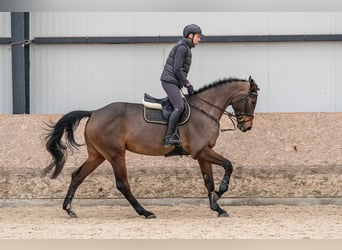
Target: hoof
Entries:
(150, 216)
(71, 214)
(224, 214)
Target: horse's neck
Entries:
(220, 96)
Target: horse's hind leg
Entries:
(118, 163)
(93, 161)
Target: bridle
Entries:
(239, 117)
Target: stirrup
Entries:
(172, 140)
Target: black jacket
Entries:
(178, 63)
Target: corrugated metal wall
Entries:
(296, 76)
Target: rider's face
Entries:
(196, 38)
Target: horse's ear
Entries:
(254, 87)
(251, 81)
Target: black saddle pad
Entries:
(156, 115)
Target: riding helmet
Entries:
(192, 29)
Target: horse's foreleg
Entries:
(228, 167)
(76, 179)
(208, 156)
(207, 174)
(120, 172)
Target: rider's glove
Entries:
(190, 89)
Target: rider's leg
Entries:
(176, 99)
(172, 137)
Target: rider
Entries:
(174, 77)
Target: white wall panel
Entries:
(302, 77)
(301, 23)
(5, 24)
(5, 80)
(171, 23)
(243, 23)
(5, 66)
(338, 77)
(338, 22)
(90, 76)
(82, 23)
(217, 61)
(292, 76)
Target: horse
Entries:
(120, 126)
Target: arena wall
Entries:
(285, 155)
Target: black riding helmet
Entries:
(192, 29)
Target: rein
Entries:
(230, 115)
(205, 113)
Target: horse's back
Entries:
(112, 117)
(122, 126)
(117, 108)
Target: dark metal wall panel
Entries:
(20, 62)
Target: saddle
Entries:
(158, 110)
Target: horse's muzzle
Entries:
(246, 129)
(245, 126)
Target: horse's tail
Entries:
(54, 145)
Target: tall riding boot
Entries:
(172, 138)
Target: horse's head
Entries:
(244, 106)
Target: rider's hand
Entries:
(190, 89)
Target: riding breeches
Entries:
(174, 95)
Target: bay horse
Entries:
(119, 126)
